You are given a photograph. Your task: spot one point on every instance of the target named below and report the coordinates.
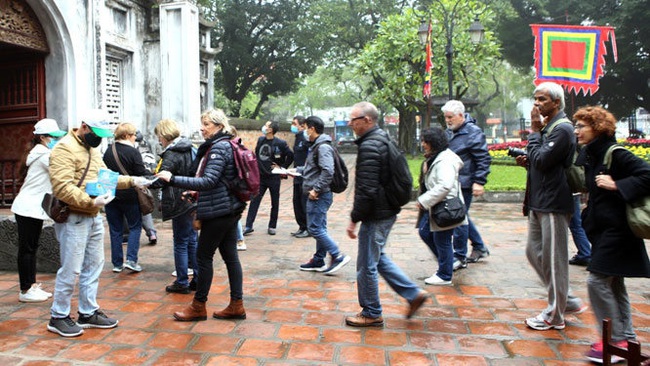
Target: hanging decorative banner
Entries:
(571, 55)
(426, 90)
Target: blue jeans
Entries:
(578, 233)
(81, 243)
(115, 214)
(464, 232)
(240, 232)
(440, 244)
(184, 247)
(317, 226)
(372, 260)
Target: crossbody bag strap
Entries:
(117, 160)
(83, 176)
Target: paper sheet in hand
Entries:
(284, 171)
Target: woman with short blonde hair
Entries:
(125, 205)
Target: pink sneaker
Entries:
(595, 354)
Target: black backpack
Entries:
(399, 186)
(340, 178)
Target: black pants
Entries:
(29, 231)
(300, 206)
(271, 183)
(218, 233)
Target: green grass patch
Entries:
(501, 178)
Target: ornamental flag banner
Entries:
(571, 55)
(426, 90)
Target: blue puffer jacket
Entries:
(468, 142)
(215, 199)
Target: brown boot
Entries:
(196, 311)
(234, 310)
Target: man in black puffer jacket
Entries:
(377, 218)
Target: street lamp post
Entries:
(476, 31)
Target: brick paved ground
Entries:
(297, 318)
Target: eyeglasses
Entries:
(356, 118)
(580, 126)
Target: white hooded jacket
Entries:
(37, 183)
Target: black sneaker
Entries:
(248, 231)
(302, 234)
(178, 288)
(576, 261)
(477, 255)
(312, 265)
(96, 320)
(337, 263)
(459, 263)
(65, 327)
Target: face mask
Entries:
(92, 140)
(294, 130)
(264, 130)
(51, 143)
(304, 133)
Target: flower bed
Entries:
(499, 152)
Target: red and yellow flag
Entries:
(571, 55)
(427, 71)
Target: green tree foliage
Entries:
(625, 85)
(395, 59)
(266, 47)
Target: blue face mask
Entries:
(53, 141)
(294, 130)
(263, 129)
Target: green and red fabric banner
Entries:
(572, 56)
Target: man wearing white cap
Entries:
(28, 212)
(81, 237)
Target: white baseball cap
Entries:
(48, 126)
(97, 120)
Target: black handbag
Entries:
(448, 212)
(145, 197)
(56, 209)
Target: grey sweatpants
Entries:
(548, 253)
(609, 299)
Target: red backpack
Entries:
(247, 182)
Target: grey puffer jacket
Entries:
(215, 199)
(317, 175)
(177, 159)
(372, 174)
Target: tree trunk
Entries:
(407, 130)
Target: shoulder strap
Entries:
(117, 159)
(607, 160)
(557, 123)
(83, 176)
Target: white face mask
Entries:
(263, 129)
(306, 134)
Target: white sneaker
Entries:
(241, 245)
(190, 272)
(32, 295)
(435, 280)
(40, 289)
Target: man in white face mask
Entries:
(272, 152)
(74, 162)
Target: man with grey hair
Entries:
(377, 216)
(467, 140)
(549, 204)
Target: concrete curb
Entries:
(493, 197)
